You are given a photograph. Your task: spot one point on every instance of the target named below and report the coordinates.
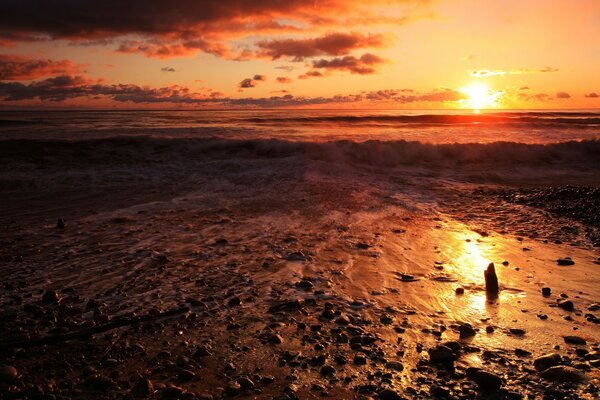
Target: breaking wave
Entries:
(148, 149)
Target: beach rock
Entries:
(275, 339)
(171, 393)
(565, 261)
(566, 305)
(546, 291)
(234, 301)
(246, 384)
(60, 223)
(394, 365)
(442, 355)
(517, 331)
(51, 297)
(360, 359)
(304, 284)
(143, 388)
(389, 394)
(487, 381)
(491, 280)
(8, 374)
(327, 370)
(439, 391)
(466, 331)
(563, 373)
(574, 340)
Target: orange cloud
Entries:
(283, 79)
(363, 66)
(179, 28)
(332, 44)
(13, 67)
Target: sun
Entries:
(480, 96)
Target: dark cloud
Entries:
(592, 95)
(363, 66)
(247, 83)
(167, 69)
(283, 79)
(251, 82)
(62, 88)
(332, 44)
(524, 88)
(287, 68)
(13, 67)
(311, 74)
(563, 95)
(164, 28)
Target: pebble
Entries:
(143, 388)
(8, 374)
(60, 223)
(566, 305)
(487, 381)
(327, 370)
(459, 291)
(442, 355)
(275, 339)
(546, 361)
(246, 384)
(51, 297)
(466, 331)
(389, 394)
(546, 291)
(304, 284)
(395, 365)
(574, 340)
(563, 373)
(565, 261)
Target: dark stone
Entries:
(563, 373)
(389, 394)
(486, 381)
(8, 374)
(442, 355)
(566, 304)
(466, 331)
(60, 223)
(546, 291)
(359, 359)
(459, 291)
(51, 297)
(304, 284)
(546, 361)
(143, 388)
(565, 261)
(327, 370)
(574, 340)
(491, 280)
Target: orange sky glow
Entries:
(403, 54)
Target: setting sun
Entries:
(480, 96)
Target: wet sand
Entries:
(288, 279)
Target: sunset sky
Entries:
(405, 54)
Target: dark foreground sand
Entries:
(265, 276)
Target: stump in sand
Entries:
(491, 280)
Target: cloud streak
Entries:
(13, 67)
(61, 88)
(484, 73)
(332, 44)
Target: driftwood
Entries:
(85, 333)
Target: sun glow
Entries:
(479, 97)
